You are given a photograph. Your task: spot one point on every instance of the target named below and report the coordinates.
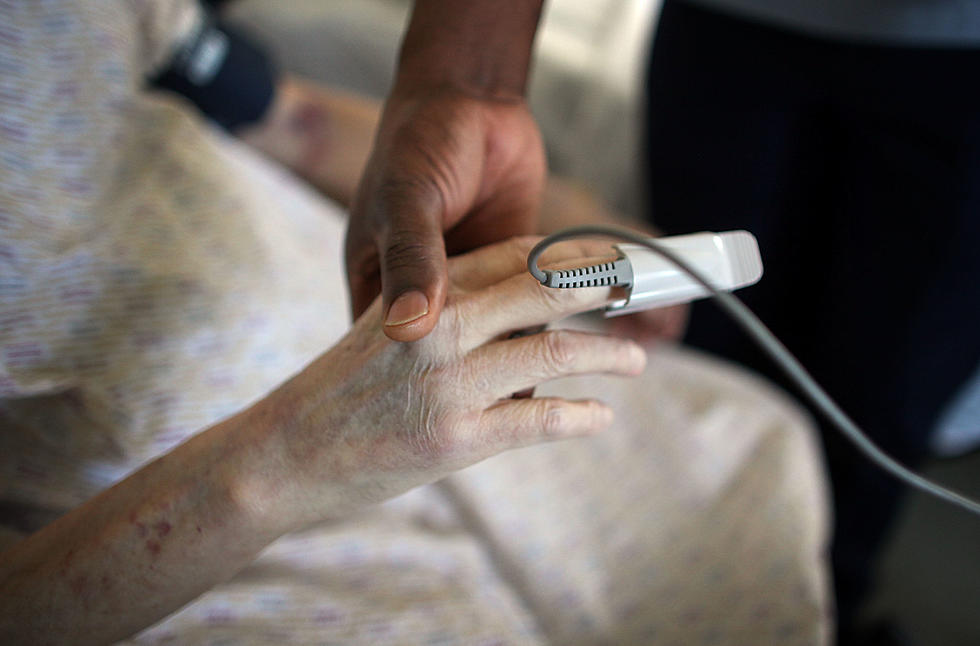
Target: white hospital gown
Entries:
(156, 276)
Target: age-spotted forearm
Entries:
(145, 547)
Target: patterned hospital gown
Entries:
(156, 275)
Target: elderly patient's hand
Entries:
(367, 420)
(373, 418)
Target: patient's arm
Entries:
(367, 420)
(321, 133)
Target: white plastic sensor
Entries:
(715, 263)
(728, 260)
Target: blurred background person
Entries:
(845, 135)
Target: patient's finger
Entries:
(521, 302)
(494, 263)
(514, 423)
(508, 366)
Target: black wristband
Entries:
(227, 75)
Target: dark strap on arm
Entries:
(226, 74)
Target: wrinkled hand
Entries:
(449, 172)
(373, 418)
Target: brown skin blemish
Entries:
(77, 585)
(106, 582)
(141, 530)
(198, 529)
(153, 547)
(66, 563)
(162, 528)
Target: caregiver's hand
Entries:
(373, 418)
(444, 163)
(457, 153)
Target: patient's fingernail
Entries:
(406, 308)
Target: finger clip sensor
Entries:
(665, 271)
(652, 279)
